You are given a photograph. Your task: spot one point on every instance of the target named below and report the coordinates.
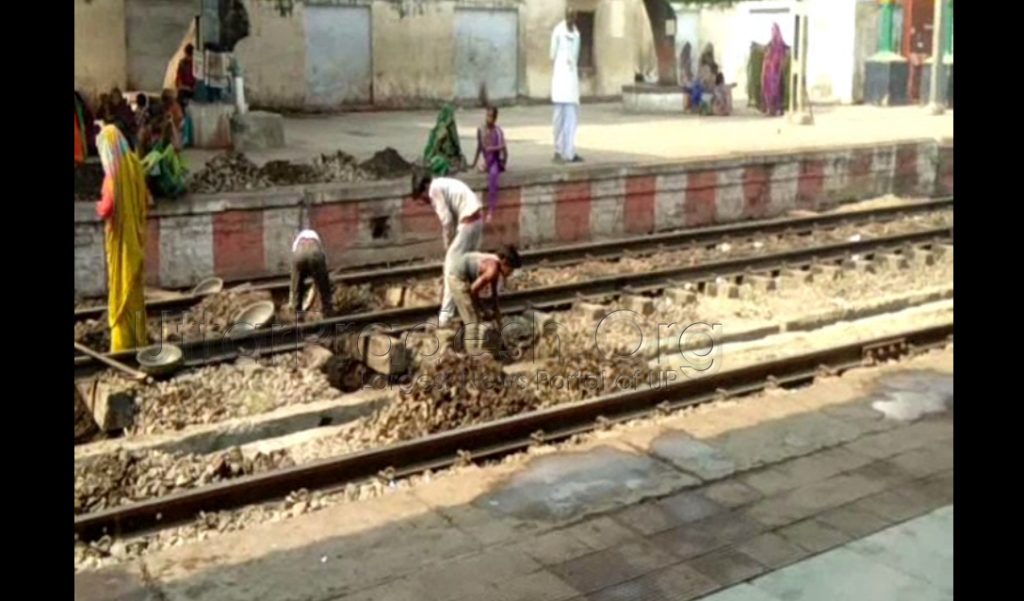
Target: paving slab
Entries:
(675, 583)
(607, 568)
(921, 548)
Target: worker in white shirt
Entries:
(565, 87)
(460, 213)
(309, 260)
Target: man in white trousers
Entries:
(565, 87)
(460, 213)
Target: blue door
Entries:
(486, 52)
(338, 66)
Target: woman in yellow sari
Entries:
(123, 207)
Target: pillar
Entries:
(936, 104)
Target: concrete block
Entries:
(859, 265)
(395, 296)
(944, 251)
(892, 261)
(763, 283)
(112, 409)
(643, 305)
(211, 124)
(257, 130)
(794, 278)
(920, 256)
(591, 311)
(722, 288)
(681, 296)
(827, 272)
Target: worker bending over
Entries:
(460, 213)
(473, 273)
(309, 260)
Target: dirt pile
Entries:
(234, 171)
(213, 315)
(453, 392)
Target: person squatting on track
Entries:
(459, 211)
(309, 261)
(471, 274)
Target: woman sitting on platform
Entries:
(443, 154)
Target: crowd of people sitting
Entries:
(156, 129)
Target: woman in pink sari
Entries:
(771, 72)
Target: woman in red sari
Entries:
(771, 72)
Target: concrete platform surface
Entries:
(913, 560)
(676, 508)
(606, 133)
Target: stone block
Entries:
(211, 124)
(827, 272)
(112, 409)
(642, 305)
(591, 311)
(257, 130)
(395, 296)
(384, 354)
(681, 296)
(763, 283)
(317, 355)
(892, 261)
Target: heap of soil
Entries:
(387, 164)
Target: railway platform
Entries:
(838, 490)
(607, 135)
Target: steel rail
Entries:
(498, 437)
(282, 338)
(581, 251)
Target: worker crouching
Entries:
(309, 261)
(470, 276)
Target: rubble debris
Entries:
(127, 476)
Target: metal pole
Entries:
(936, 102)
(802, 114)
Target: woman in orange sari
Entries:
(123, 207)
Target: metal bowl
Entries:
(160, 359)
(208, 286)
(255, 316)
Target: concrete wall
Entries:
(616, 58)
(273, 57)
(154, 31)
(248, 234)
(865, 42)
(99, 45)
(832, 62)
(413, 53)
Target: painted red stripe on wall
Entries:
(572, 211)
(810, 189)
(504, 228)
(638, 206)
(860, 176)
(756, 191)
(338, 225)
(700, 197)
(238, 244)
(419, 220)
(905, 180)
(944, 179)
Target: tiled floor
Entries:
(909, 562)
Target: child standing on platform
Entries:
(490, 141)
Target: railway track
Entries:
(284, 338)
(501, 437)
(571, 253)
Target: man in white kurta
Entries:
(565, 86)
(460, 212)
